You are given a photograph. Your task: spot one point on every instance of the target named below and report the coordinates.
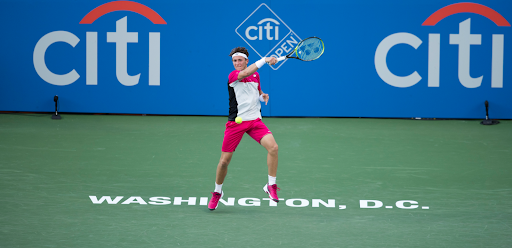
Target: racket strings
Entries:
(310, 49)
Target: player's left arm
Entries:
(264, 96)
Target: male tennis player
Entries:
(244, 101)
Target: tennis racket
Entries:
(307, 50)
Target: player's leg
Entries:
(222, 167)
(260, 133)
(270, 144)
(232, 137)
(222, 170)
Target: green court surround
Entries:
(460, 169)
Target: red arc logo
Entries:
(119, 6)
(449, 10)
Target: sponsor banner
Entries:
(429, 59)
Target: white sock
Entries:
(218, 188)
(271, 180)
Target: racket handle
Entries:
(281, 58)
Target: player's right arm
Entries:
(253, 68)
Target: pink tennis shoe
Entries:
(271, 190)
(214, 201)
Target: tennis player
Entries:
(245, 96)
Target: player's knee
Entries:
(273, 149)
(224, 163)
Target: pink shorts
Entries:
(234, 133)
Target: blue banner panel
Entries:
(430, 59)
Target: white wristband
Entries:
(260, 62)
(261, 98)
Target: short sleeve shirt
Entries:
(244, 97)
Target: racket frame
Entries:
(288, 56)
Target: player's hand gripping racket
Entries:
(307, 50)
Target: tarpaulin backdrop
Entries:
(397, 58)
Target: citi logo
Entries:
(464, 40)
(263, 29)
(121, 37)
(267, 28)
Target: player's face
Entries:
(240, 63)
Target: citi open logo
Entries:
(263, 29)
(121, 37)
(464, 40)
